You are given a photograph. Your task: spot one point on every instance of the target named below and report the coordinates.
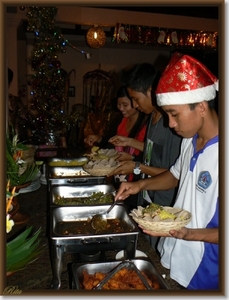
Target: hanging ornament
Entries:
(209, 40)
(174, 37)
(96, 37)
(122, 34)
(161, 38)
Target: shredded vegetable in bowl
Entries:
(160, 218)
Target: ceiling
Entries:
(208, 11)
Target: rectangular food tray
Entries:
(70, 194)
(144, 265)
(65, 168)
(74, 214)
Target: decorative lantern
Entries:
(96, 37)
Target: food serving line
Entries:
(70, 190)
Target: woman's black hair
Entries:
(141, 121)
(142, 117)
(122, 92)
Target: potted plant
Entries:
(24, 248)
(19, 174)
(16, 171)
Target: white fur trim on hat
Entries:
(206, 93)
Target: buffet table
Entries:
(38, 275)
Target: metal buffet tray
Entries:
(62, 168)
(65, 168)
(81, 243)
(67, 214)
(111, 268)
(64, 172)
(67, 162)
(80, 192)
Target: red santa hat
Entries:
(185, 80)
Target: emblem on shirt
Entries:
(204, 180)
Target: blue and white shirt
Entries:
(194, 264)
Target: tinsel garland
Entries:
(155, 36)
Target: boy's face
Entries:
(183, 120)
(141, 101)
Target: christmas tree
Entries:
(48, 82)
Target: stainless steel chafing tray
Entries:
(64, 195)
(67, 162)
(63, 171)
(67, 214)
(111, 268)
(90, 242)
(65, 168)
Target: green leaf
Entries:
(23, 250)
(20, 238)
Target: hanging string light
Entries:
(96, 37)
(66, 42)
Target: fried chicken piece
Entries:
(99, 276)
(124, 279)
(113, 284)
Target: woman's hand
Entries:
(119, 141)
(123, 156)
(92, 138)
(123, 141)
(125, 168)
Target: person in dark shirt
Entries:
(162, 144)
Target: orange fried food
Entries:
(124, 279)
(99, 276)
(89, 281)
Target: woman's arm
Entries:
(126, 167)
(123, 141)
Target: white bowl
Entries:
(138, 253)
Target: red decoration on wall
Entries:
(155, 36)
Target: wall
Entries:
(110, 59)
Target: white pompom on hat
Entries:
(185, 80)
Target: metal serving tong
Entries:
(128, 264)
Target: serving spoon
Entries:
(99, 221)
